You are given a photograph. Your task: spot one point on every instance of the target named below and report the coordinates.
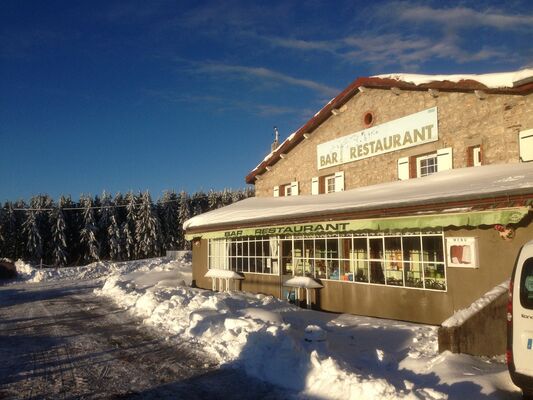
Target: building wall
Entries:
(199, 264)
(463, 120)
(464, 285)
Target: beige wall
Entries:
(199, 264)
(463, 119)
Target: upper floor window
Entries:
(526, 145)
(328, 183)
(425, 164)
(473, 156)
(289, 189)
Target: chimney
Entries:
(275, 144)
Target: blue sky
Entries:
(118, 96)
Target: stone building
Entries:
(404, 197)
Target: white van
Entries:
(520, 322)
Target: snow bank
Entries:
(318, 355)
(248, 331)
(180, 267)
(494, 81)
(462, 315)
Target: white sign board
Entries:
(462, 252)
(411, 130)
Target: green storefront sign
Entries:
(468, 219)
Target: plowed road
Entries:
(60, 341)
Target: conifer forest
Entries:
(120, 228)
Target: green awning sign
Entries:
(467, 219)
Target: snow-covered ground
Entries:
(317, 354)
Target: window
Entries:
(473, 156)
(289, 189)
(249, 254)
(526, 145)
(526, 285)
(414, 260)
(426, 165)
(328, 183)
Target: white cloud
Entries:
(222, 104)
(263, 74)
(460, 17)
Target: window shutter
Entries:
(413, 168)
(294, 188)
(314, 185)
(526, 145)
(339, 181)
(470, 156)
(276, 191)
(444, 159)
(403, 168)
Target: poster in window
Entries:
(462, 252)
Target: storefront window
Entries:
(376, 260)
(413, 260)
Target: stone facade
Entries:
(464, 120)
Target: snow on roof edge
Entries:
(457, 184)
(491, 80)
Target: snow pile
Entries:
(494, 81)
(462, 315)
(248, 331)
(180, 267)
(317, 354)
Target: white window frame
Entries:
(419, 167)
(329, 180)
(525, 139)
(287, 190)
(476, 156)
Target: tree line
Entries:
(119, 228)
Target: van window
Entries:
(526, 285)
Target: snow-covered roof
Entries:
(440, 188)
(514, 82)
(494, 81)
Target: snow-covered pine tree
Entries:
(104, 220)
(184, 214)
(2, 237)
(40, 203)
(147, 229)
(168, 215)
(34, 244)
(235, 196)
(89, 230)
(199, 203)
(114, 234)
(226, 197)
(213, 200)
(250, 191)
(128, 227)
(59, 236)
(19, 237)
